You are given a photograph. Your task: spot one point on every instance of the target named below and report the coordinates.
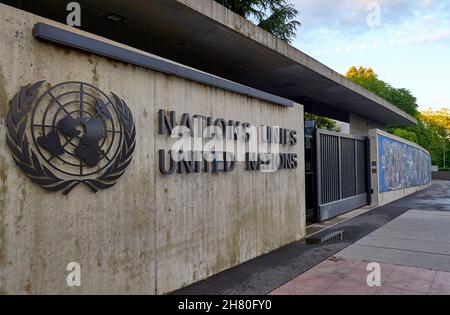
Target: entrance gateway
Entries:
(177, 229)
(337, 173)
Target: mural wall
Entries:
(402, 165)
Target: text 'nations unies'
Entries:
(223, 144)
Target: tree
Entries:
(322, 122)
(432, 130)
(275, 16)
(438, 124)
(405, 134)
(439, 118)
(402, 98)
(246, 8)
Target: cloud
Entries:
(351, 15)
(428, 18)
(419, 22)
(414, 36)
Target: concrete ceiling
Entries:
(174, 31)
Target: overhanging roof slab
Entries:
(204, 35)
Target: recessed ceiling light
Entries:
(115, 18)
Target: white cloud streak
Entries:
(351, 15)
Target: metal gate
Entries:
(342, 173)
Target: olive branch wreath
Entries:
(28, 162)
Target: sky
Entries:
(406, 42)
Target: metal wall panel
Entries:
(329, 175)
(348, 166)
(361, 167)
(341, 173)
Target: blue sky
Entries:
(408, 46)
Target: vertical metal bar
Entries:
(336, 157)
(330, 169)
(356, 167)
(328, 156)
(313, 176)
(337, 153)
(368, 171)
(340, 165)
(324, 169)
(319, 171)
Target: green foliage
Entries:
(322, 122)
(246, 8)
(431, 137)
(408, 135)
(432, 129)
(402, 98)
(274, 16)
(281, 22)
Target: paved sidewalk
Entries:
(407, 238)
(416, 239)
(413, 252)
(341, 276)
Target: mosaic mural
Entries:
(402, 165)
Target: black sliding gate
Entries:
(338, 180)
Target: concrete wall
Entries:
(148, 234)
(441, 175)
(373, 103)
(381, 196)
(360, 126)
(388, 197)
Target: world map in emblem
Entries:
(79, 135)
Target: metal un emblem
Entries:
(78, 135)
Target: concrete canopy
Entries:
(204, 35)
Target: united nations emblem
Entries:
(79, 135)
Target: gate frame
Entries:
(335, 208)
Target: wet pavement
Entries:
(436, 198)
(418, 239)
(341, 276)
(299, 268)
(413, 252)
